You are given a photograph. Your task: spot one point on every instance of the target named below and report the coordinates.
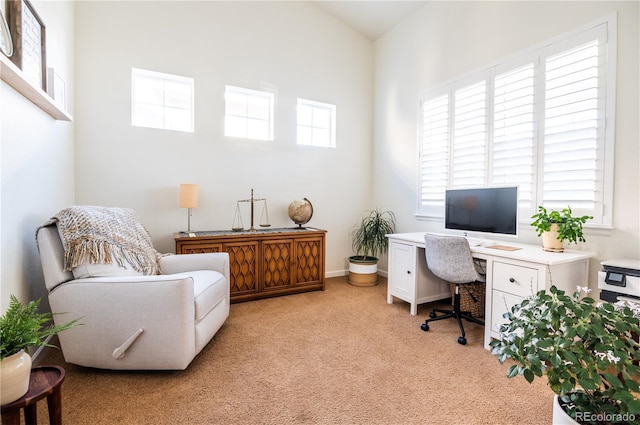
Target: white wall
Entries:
(444, 40)
(294, 48)
(37, 163)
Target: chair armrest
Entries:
(181, 263)
(112, 309)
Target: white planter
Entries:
(14, 376)
(560, 417)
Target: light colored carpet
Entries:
(341, 356)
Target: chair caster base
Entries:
(425, 327)
(462, 340)
(432, 315)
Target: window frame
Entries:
(330, 142)
(139, 74)
(246, 116)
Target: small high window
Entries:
(316, 124)
(161, 100)
(248, 113)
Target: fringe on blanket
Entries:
(103, 252)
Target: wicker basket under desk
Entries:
(466, 302)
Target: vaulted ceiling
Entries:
(371, 18)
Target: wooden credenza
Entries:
(264, 263)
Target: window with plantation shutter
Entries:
(538, 121)
(572, 125)
(434, 163)
(513, 143)
(469, 142)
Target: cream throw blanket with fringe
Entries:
(104, 235)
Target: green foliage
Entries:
(569, 227)
(588, 351)
(22, 327)
(369, 237)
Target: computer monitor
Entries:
(492, 210)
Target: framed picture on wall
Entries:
(29, 41)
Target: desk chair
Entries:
(449, 258)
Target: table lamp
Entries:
(188, 199)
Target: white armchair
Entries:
(137, 322)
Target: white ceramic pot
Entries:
(560, 417)
(14, 376)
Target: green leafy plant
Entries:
(22, 326)
(569, 227)
(588, 351)
(369, 236)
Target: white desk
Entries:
(511, 275)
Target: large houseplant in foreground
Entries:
(22, 327)
(368, 240)
(588, 351)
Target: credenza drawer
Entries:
(516, 280)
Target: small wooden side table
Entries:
(45, 381)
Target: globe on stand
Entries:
(300, 211)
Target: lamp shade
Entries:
(188, 196)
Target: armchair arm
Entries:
(111, 310)
(181, 263)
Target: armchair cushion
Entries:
(209, 288)
(87, 270)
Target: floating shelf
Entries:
(13, 76)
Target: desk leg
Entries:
(11, 417)
(31, 414)
(54, 402)
(414, 308)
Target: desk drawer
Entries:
(501, 304)
(516, 280)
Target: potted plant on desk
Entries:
(22, 327)
(558, 226)
(369, 238)
(588, 351)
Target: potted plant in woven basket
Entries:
(588, 351)
(22, 327)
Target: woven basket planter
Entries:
(466, 302)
